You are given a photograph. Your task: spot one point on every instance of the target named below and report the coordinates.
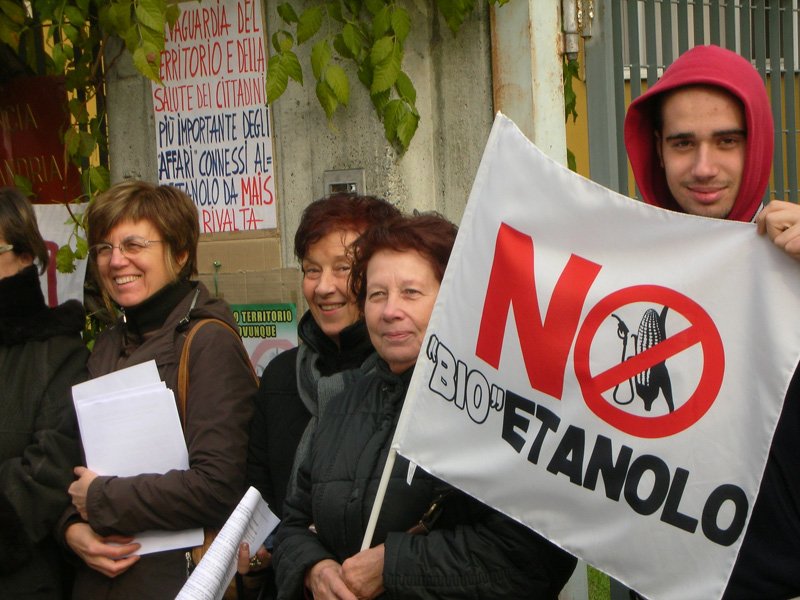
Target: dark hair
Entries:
(430, 234)
(169, 209)
(19, 228)
(340, 212)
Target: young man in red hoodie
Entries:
(700, 141)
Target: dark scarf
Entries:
(150, 314)
(325, 370)
(24, 315)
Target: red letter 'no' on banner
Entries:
(545, 344)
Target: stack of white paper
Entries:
(251, 522)
(129, 425)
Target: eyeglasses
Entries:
(130, 246)
(6, 248)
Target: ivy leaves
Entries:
(76, 33)
(370, 34)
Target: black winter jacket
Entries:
(41, 357)
(282, 415)
(473, 551)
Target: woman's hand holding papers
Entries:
(79, 488)
(110, 555)
(261, 559)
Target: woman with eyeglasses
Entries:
(41, 356)
(143, 241)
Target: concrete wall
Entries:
(452, 76)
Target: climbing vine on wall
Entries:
(69, 38)
(371, 34)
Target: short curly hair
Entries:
(430, 234)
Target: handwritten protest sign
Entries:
(213, 130)
(607, 372)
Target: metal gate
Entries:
(633, 41)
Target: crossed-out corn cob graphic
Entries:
(648, 383)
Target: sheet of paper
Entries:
(129, 425)
(132, 435)
(131, 377)
(251, 522)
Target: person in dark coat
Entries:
(144, 246)
(41, 356)
(333, 339)
(471, 550)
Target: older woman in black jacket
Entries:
(41, 356)
(473, 551)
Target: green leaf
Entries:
(292, 66)
(287, 13)
(65, 259)
(144, 59)
(365, 73)
(405, 88)
(15, 12)
(386, 73)
(77, 109)
(100, 178)
(59, 58)
(150, 14)
(120, 15)
(406, 128)
(309, 23)
(572, 164)
(381, 50)
(172, 14)
(72, 141)
(336, 78)
(9, 32)
(391, 117)
(320, 57)
(382, 22)
(87, 144)
(341, 48)
(326, 98)
(24, 185)
(380, 100)
(153, 37)
(401, 23)
(71, 33)
(81, 247)
(375, 6)
(352, 39)
(282, 41)
(335, 12)
(73, 14)
(277, 78)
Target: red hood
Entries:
(704, 65)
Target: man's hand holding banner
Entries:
(607, 372)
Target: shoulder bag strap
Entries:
(183, 366)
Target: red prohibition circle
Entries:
(701, 330)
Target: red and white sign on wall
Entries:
(606, 372)
(213, 130)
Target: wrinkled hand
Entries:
(325, 581)
(780, 221)
(79, 488)
(260, 561)
(107, 555)
(363, 573)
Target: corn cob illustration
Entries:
(652, 331)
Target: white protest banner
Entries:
(213, 131)
(606, 372)
(53, 225)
